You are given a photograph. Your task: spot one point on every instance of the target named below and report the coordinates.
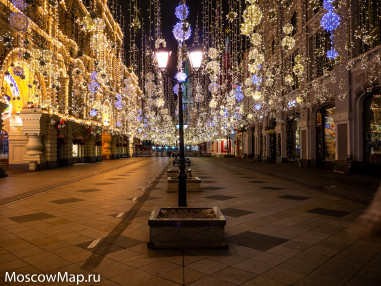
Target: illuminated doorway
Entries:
(372, 129)
(325, 135)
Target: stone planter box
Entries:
(193, 184)
(175, 172)
(187, 232)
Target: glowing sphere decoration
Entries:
(93, 86)
(182, 12)
(332, 54)
(119, 104)
(258, 107)
(20, 4)
(327, 4)
(176, 89)
(182, 31)
(19, 21)
(181, 76)
(238, 93)
(118, 124)
(330, 21)
(257, 80)
(94, 75)
(93, 113)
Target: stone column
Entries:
(114, 149)
(3, 172)
(90, 149)
(32, 128)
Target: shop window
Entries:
(293, 137)
(76, 151)
(4, 146)
(372, 129)
(326, 134)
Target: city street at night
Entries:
(280, 230)
(190, 142)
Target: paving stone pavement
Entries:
(280, 232)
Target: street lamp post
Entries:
(195, 56)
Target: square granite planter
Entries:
(175, 172)
(187, 228)
(193, 184)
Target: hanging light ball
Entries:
(93, 113)
(256, 39)
(327, 4)
(181, 77)
(288, 28)
(288, 43)
(20, 4)
(18, 21)
(182, 12)
(330, 21)
(332, 54)
(93, 86)
(182, 31)
(252, 15)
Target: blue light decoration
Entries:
(20, 4)
(176, 89)
(238, 93)
(94, 75)
(119, 104)
(332, 54)
(118, 124)
(257, 107)
(292, 103)
(182, 12)
(181, 77)
(93, 86)
(330, 22)
(93, 113)
(182, 31)
(257, 80)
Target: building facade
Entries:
(64, 84)
(331, 113)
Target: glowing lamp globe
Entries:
(196, 55)
(162, 56)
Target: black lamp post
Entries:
(195, 56)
